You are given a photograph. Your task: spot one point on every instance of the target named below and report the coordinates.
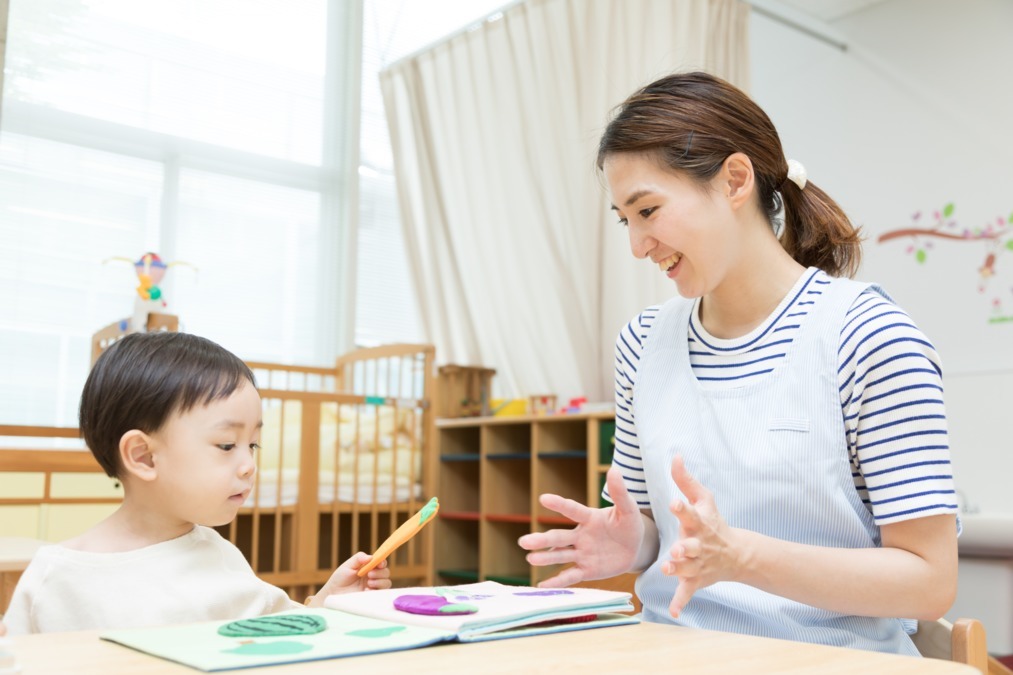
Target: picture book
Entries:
(395, 619)
(489, 610)
(209, 646)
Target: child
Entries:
(176, 419)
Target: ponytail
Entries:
(817, 233)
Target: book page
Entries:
(497, 605)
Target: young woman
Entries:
(781, 464)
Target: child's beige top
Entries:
(197, 577)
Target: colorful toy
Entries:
(150, 271)
(409, 529)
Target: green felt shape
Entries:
(458, 608)
(268, 626)
(270, 648)
(376, 632)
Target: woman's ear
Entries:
(738, 179)
(137, 455)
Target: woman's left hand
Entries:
(705, 552)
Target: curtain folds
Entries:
(517, 260)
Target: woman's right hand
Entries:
(605, 543)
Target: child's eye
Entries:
(254, 446)
(226, 446)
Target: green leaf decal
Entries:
(948, 210)
(1009, 244)
(920, 255)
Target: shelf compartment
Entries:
(560, 435)
(459, 486)
(506, 487)
(500, 554)
(506, 439)
(458, 575)
(606, 441)
(564, 476)
(460, 441)
(456, 544)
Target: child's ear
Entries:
(136, 455)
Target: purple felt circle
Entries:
(432, 605)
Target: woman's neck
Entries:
(748, 295)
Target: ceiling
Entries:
(829, 10)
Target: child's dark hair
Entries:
(143, 378)
(691, 122)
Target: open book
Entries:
(490, 610)
(368, 623)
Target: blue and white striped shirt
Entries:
(890, 385)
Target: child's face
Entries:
(204, 458)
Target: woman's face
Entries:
(685, 228)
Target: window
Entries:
(194, 130)
(207, 133)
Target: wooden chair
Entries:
(962, 641)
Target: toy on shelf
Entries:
(542, 404)
(150, 271)
(575, 405)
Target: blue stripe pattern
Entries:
(890, 382)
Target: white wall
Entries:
(915, 114)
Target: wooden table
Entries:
(646, 648)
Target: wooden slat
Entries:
(49, 461)
(39, 432)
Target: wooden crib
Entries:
(346, 456)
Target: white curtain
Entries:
(518, 263)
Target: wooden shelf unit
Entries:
(491, 472)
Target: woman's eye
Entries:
(645, 213)
(226, 446)
(623, 222)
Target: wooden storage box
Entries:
(464, 391)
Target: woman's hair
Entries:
(143, 378)
(693, 121)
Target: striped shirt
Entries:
(891, 390)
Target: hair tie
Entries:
(796, 174)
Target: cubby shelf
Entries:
(492, 471)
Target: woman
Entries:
(781, 464)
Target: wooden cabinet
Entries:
(491, 472)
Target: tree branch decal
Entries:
(996, 237)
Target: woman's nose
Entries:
(641, 243)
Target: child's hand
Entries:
(345, 579)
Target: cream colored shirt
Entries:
(197, 577)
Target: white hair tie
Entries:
(797, 174)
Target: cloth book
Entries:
(500, 611)
(356, 624)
